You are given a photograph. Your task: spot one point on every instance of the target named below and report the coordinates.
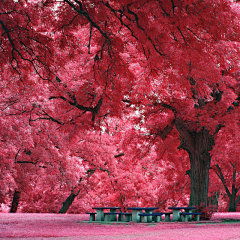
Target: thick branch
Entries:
(8, 34)
(68, 202)
(34, 163)
(163, 134)
(94, 110)
(167, 106)
(220, 175)
(28, 162)
(119, 155)
(187, 141)
(46, 118)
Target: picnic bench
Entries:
(143, 214)
(110, 216)
(100, 213)
(185, 216)
(92, 216)
(176, 212)
(125, 217)
(122, 217)
(167, 216)
(139, 210)
(156, 217)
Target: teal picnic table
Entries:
(138, 210)
(100, 212)
(176, 211)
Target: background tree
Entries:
(165, 62)
(226, 164)
(181, 63)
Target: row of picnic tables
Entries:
(143, 214)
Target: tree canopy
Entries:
(146, 77)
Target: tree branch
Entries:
(86, 15)
(120, 19)
(220, 175)
(17, 155)
(163, 134)
(119, 155)
(185, 136)
(74, 103)
(136, 18)
(90, 37)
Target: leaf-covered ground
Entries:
(74, 226)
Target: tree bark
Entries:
(213, 201)
(232, 203)
(68, 202)
(199, 175)
(233, 199)
(15, 201)
(198, 145)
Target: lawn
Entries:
(75, 226)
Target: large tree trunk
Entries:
(198, 145)
(68, 202)
(15, 201)
(199, 175)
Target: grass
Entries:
(223, 226)
(230, 220)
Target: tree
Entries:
(36, 172)
(163, 60)
(226, 163)
(15, 201)
(234, 199)
(139, 178)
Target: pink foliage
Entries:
(207, 211)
